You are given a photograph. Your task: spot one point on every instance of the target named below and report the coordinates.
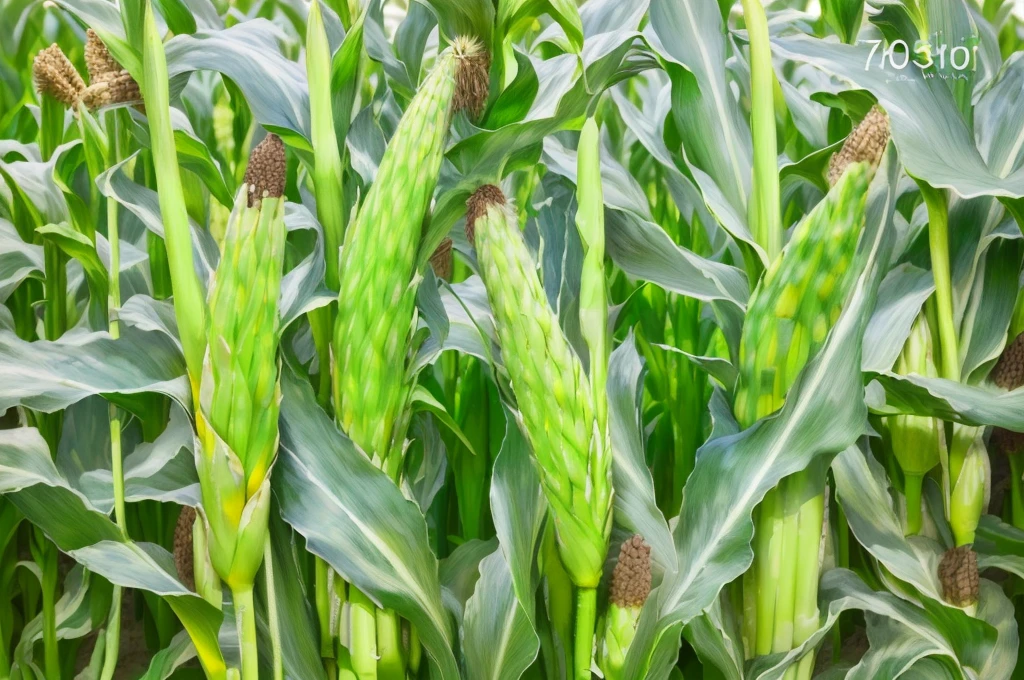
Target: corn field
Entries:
(500, 339)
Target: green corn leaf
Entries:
(384, 554)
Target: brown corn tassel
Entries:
(55, 75)
(866, 143)
(1009, 370)
(109, 83)
(267, 171)
(441, 260)
(184, 558)
(958, 573)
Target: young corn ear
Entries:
(800, 298)
(916, 440)
(630, 586)
(967, 497)
(240, 393)
(55, 75)
(376, 302)
(866, 144)
(553, 393)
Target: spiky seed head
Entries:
(631, 579)
(958, 573)
(1006, 442)
(866, 143)
(120, 88)
(55, 75)
(184, 557)
(101, 64)
(472, 76)
(1009, 370)
(477, 205)
(267, 170)
(441, 260)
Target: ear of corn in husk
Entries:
(376, 302)
(55, 75)
(800, 298)
(240, 391)
(552, 391)
(967, 497)
(630, 586)
(917, 441)
(866, 144)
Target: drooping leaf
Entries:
(353, 516)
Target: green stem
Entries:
(390, 662)
(362, 635)
(112, 636)
(274, 621)
(1016, 500)
(415, 651)
(586, 620)
(49, 589)
(189, 301)
(786, 583)
(806, 618)
(769, 556)
(938, 242)
(765, 202)
(320, 324)
(245, 621)
(51, 126)
(912, 492)
(55, 317)
(323, 607)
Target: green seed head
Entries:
(239, 392)
(800, 298)
(551, 389)
(377, 286)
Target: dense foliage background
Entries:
(757, 413)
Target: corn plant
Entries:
(393, 340)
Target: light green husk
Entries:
(240, 392)
(376, 302)
(916, 440)
(553, 393)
